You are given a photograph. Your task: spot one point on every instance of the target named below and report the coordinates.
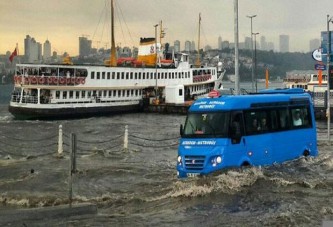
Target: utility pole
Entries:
(237, 79)
(252, 77)
(328, 111)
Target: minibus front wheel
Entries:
(245, 164)
(306, 153)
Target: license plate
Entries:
(192, 174)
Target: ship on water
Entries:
(44, 91)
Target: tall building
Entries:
(84, 47)
(32, 50)
(176, 46)
(284, 43)
(263, 43)
(247, 43)
(187, 46)
(193, 47)
(47, 51)
(219, 43)
(314, 44)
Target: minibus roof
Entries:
(267, 97)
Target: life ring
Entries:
(41, 80)
(49, 80)
(62, 80)
(18, 79)
(83, 80)
(72, 80)
(33, 80)
(77, 80)
(68, 80)
(55, 80)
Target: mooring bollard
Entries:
(60, 141)
(126, 138)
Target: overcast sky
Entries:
(63, 21)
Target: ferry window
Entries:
(114, 93)
(104, 93)
(64, 95)
(136, 92)
(99, 93)
(173, 75)
(143, 76)
(153, 75)
(108, 76)
(113, 75)
(122, 75)
(71, 94)
(207, 124)
(110, 93)
(98, 75)
(57, 94)
(123, 93)
(132, 92)
(128, 93)
(119, 93)
(103, 75)
(131, 75)
(89, 94)
(139, 76)
(83, 94)
(127, 75)
(77, 94)
(136, 76)
(180, 92)
(118, 75)
(92, 75)
(158, 76)
(94, 94)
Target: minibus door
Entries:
(237, 147)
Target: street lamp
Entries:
(255, 57)
(252, 51)
(328, 111)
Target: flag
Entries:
(11, 57)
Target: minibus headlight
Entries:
(216, 160)
(179, 159)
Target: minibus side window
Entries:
(301, 117)
(236, 129)
(283, 119)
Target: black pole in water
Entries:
(72, 168)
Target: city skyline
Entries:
(79, 17)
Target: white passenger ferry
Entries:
(57, 91)
(65, 90)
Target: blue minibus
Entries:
(272, 126)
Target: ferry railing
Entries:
(49, 80)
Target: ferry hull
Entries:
(25, 113)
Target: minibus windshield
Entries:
(211, 124)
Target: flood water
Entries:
(139, 186)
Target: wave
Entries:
(230, 182)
